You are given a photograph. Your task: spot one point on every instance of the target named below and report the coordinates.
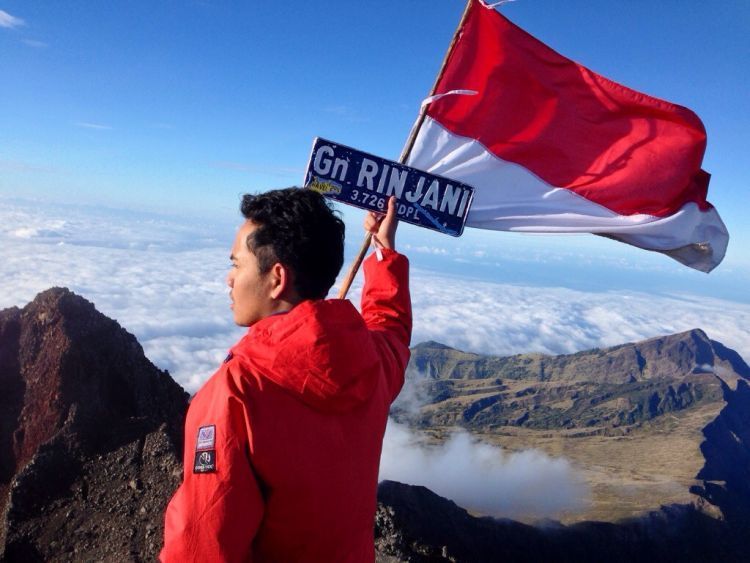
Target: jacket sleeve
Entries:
(216, 512)
(386, 309)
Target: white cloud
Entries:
(425, 249)
(527, 485)
(497, 318)
(31, 232)
(6, 20)
(89, 125)
(160, 279)
(34, 43)
(163, 278)
(482, 477)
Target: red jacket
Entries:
(282, 444)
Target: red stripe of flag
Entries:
(629, 152)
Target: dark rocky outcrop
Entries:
(90, 433)
(416, 525)
(726, 449)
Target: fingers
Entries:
(372, 222)
(390, 221)
(384, 226)
(373, 219)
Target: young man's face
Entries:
(250, 290)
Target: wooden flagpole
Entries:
(347, 283)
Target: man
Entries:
(282, 444)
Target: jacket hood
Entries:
(320, 351)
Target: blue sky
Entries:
(186, 104)
(179, 107)
(128, 131)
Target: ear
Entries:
(280, 280)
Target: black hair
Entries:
(297, 228)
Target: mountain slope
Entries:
(91, 433)
(660, 429)
(596, 389)
(631, 417)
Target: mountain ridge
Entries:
(93, 433)
(580, 390)
(702, 353)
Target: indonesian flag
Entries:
(551, 146)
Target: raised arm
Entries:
(386, 304)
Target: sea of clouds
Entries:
(163, 279)
(483, 478)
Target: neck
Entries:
(284, 305)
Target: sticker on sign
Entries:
(366, 181)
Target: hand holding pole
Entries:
(346, 284)
(383, 228)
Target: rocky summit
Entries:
(91, 436)
(90, 432)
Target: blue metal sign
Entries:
(366, 181)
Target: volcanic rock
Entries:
(90, 432)
(726, 473)
(414, 524)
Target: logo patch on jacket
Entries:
(206, 438)
(205, 461)
(205, 450)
